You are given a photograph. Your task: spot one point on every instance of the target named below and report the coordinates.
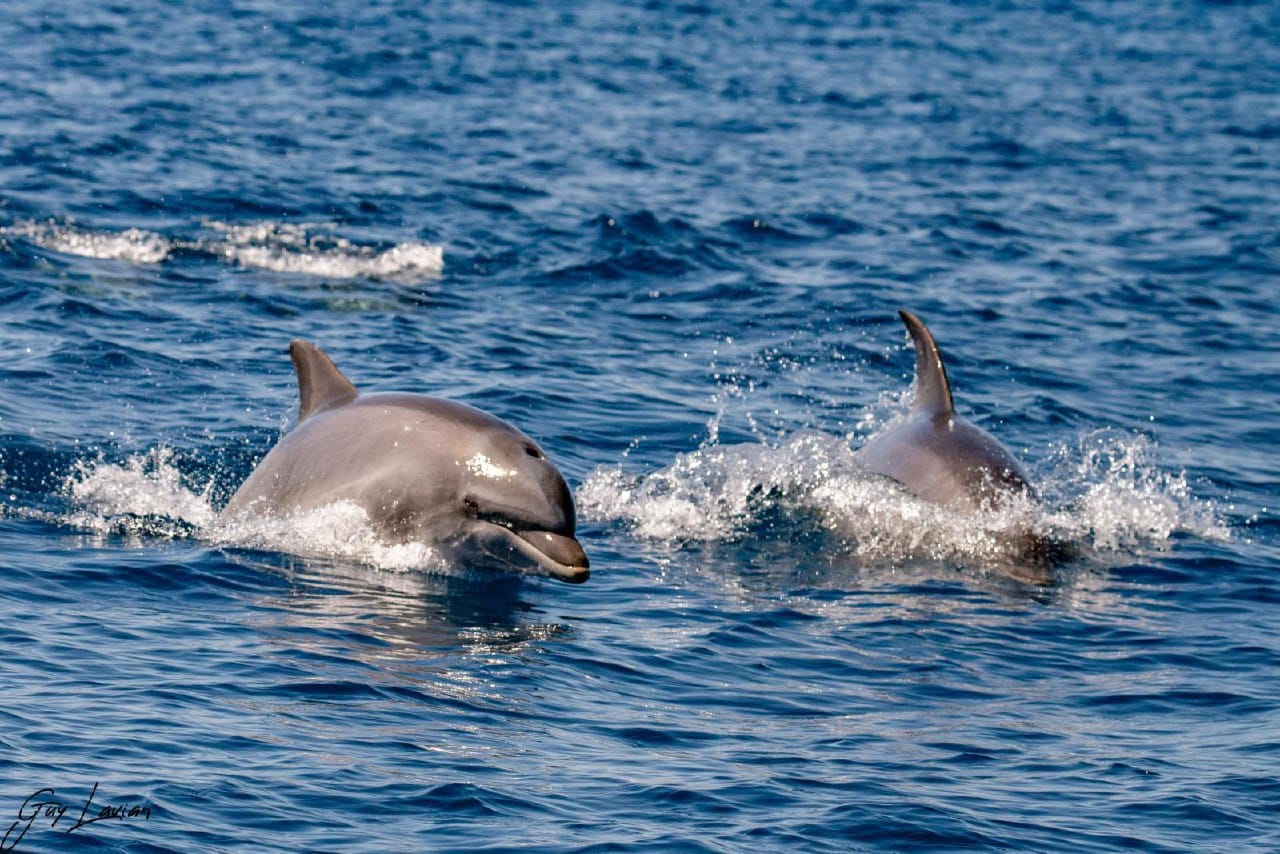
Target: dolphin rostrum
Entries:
(423, 469)
(937, 454)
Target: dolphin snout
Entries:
(565, 551)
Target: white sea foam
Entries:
(133, 244)
(1109, 496)
(341, 531)
(1120, 499)
(1105, 494)
(280, 247)
(147, 494)
(290, 248)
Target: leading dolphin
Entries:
(422, 468)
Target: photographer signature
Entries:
(42, 805)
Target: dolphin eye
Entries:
(533, 452)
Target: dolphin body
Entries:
(943, 458)
(422, 468)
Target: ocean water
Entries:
(669, 242)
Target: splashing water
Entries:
(1106, 495)
(1119, 499)
(340, 531)
(1112, 497)
(148, 495)
(144, 494)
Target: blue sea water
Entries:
(669, 242)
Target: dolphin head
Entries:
(467, 479)
(517, 505)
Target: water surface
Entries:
(668, 242)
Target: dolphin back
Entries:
(936, 453)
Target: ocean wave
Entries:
(279, 247)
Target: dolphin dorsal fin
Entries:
(320, 384)
(933, 392)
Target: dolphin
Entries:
(942, 457)
(422, 468)
(936, 453)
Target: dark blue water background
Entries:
(668, 242)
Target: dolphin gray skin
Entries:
(936, 453)
(422, 468)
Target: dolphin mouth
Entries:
(564, 555)
(554, 554)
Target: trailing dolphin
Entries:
(940, 456)
(422, 468)
(936, 453)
